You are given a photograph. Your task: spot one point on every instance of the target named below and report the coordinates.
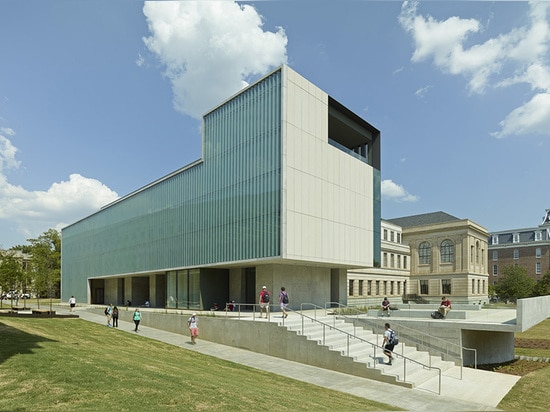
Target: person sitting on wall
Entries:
(444, 306)
(386, 307)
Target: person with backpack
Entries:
(283, 301)
(389, 343)
(115, 317)
(109, 313)
(264, 301)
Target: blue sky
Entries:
(99, 98)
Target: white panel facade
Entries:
(327, 204)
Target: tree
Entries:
(543, 286)
(516, 284)
(46, 262)
(11, 271)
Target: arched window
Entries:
(424, 253)
(447, 251)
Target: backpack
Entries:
(266, 297)
(285, 298)
(106, 311)
(393, 340)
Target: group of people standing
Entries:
(265, 298)
(112, 317)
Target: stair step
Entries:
(360, 348)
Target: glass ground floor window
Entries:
(183, 289)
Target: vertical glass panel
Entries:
(171, 289)
(194, 289)
(225, 208)
(183, 288)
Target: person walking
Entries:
(283, 301)
(115, 317)
(137, 318)
(193, 325)
(72, 303)
(109, 314)
(264, 301)
(387, 344)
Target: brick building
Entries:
(528, 248)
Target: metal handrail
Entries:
(375, 346)
(423, 335)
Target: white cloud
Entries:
(393, 191)
(33, 212)
(420, 93)
(210, 49)
(522, 51)
(7, 150)
(531, 118)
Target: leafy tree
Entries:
(516, 284)
(543, 286)
(46, 262)
(11, 271)
(491, 290)
(22, 248)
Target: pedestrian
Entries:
(137, 318)
(264, 301)
(72, 303)
(109, 313)
(115, 317)
(388, 346)
(283, 301)
(193, 325)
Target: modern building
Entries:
(390, 275)
(286, 193)
(448, 257)
(528, 248)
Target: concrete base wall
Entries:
(491, 346)
(532, 311)
(304, 284)
(261, 337)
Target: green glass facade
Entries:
(225, 208)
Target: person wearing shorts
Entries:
(193, 325)
(283, 301)
(264, 301)
(388, 348)
(72, 303)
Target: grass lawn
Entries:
(531, 390)
(70, 364)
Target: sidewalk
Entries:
(418, 399)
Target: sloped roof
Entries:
(423, 220)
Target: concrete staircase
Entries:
(410, 367)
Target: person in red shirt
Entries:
(264, 301)
(386, 307)
(444, 306)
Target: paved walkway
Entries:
(454, 397)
